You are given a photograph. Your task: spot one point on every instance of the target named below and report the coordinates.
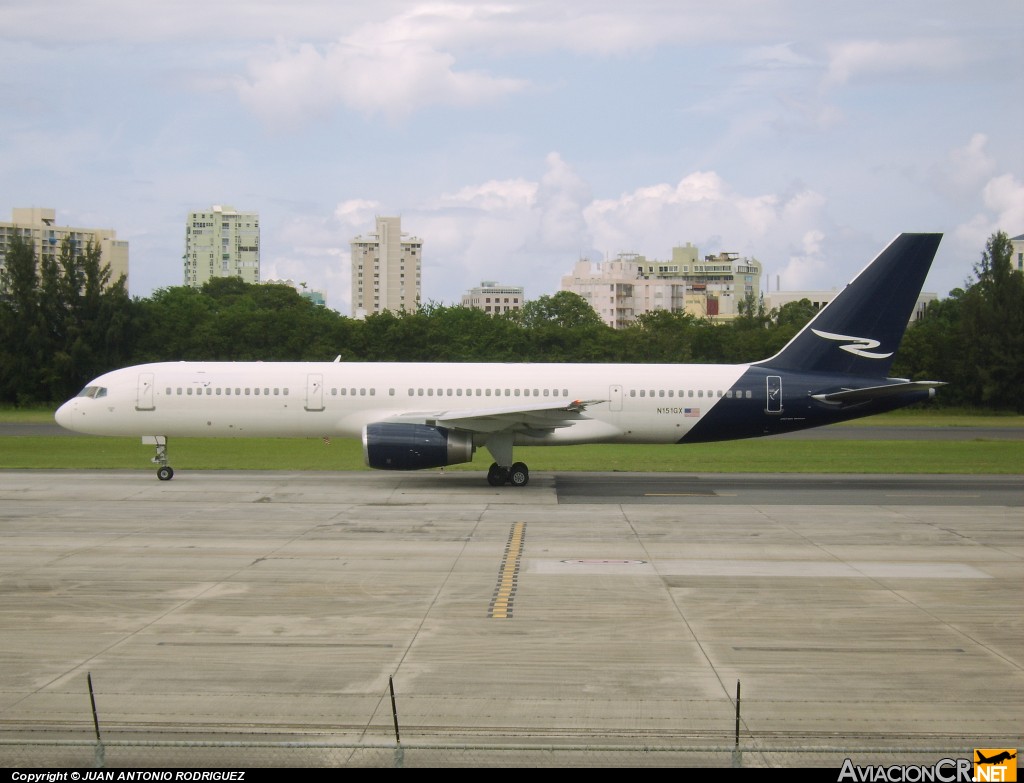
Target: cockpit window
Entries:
(93, 392)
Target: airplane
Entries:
(412, 416)
(1003, 756)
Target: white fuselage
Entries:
(635, 403)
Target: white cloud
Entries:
(860, 60)
(705, 210)
(805, 269)
(1004, 195)
(965, 169)
(357, 212)
(389, 69)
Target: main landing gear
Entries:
(165, 472)
(518, 475)
(504, 470)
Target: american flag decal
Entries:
(691, 412)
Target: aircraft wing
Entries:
(528, 417)
(850, 396)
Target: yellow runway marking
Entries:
(508, 575)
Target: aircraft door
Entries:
(615, 398)
(773, 404)
(144, 401)
(314, 392)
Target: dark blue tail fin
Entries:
(858, 332)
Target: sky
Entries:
(515, 138)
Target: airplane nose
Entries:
(64, 414)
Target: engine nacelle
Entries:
(395, 446)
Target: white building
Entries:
(1017, 257)
(629, 286)
(39, 227)
(222, 242)
(494, 298)
(386, 270)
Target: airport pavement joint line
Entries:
(508, 575)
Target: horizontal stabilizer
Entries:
(849, 396)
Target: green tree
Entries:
(662, 336)
(22, 332)
(993, 327)
(565, 310)
(61, 321)
(746, 336)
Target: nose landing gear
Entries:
(165, 472)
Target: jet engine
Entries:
(396, 446)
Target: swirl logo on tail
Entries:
(858, 346)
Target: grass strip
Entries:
(762, 455)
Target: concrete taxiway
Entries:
(597, 608)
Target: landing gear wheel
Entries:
(497, 475)
(165, 473)
(519, 476)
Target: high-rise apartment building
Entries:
(39, 227)
(385, 270)
(222, 242)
